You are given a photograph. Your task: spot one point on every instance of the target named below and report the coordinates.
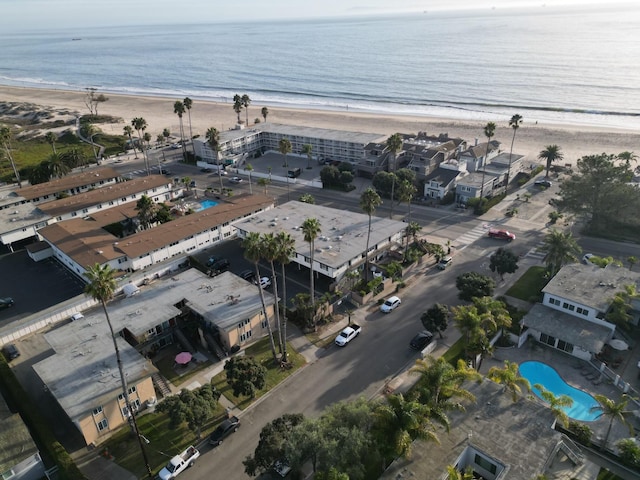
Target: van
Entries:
(294, 172)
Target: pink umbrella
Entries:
(183, 358)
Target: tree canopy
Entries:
(194, 407)
(245, 376)
(436, 318)
(473, 284)
(503, 261)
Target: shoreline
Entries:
(575, 141)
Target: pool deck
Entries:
(572, 370)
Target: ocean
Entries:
(571, 65)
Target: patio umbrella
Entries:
(617, 344)
(183, 358)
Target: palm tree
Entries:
(284, 147)
(101, 287)
(166, 134)
(550, 154)
(514, 123)
(249, 168)
(90, 131)
(615, 411)
(285, 247)
(178, 109)
(265, 112)
(128, 130)
(394, 144)
(159, 139)
(147, 138)
(237, 106)
(369, 201)
(188, 103)
(311, 230)
(406, 191)
(628, 157)
(560, 249)
(58, 167)
(140, 125)
(489, 132)
(146, 209)
(270, 253)
(441, 382)
(454, 474)
(213, 138)
(5, 142)
(74, 158)
(556, 403)
(254, 252)
(494, 313)
(510, 377)
(399, 422)
(51, 138)
(264, 183)
(245, 103)
(307, 149)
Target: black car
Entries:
(225, 429)
(164, 171)
(248, 275)
(6, 302)
(543, 183)
(421, 340)
(10, 352)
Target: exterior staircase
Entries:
(161, 385)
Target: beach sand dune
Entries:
(574, 140)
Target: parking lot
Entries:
(34, 286)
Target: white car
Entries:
(235, 180)
(586, 259)
(265, 282)
(390, 304)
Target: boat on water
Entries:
(76, 39)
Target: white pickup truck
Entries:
(348, 334)
(179, 463)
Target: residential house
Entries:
(473, 185)
(423, 154)
(19, 455)
(476, 157)
(575, 302)
(440, 182)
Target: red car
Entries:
(502, 235)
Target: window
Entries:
(245, 336)
(8, 474)
(264, 323)
(548, 339)
(97, 410)
(565, 346)
(132, 390)
(554, 301)
(243, 323)
(485, 464)
(74, 214)
(565, 305)
(582, 311)
(103, 424)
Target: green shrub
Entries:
(629, 452)
(580, 432)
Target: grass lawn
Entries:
(529, 285)
(261, 351)
(163, 442)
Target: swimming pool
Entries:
(537, 372)
(206, 204)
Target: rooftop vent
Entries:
(273, 224)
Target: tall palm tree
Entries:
(493, 312)
(213, 138)
(556, 403)
(59, 168)
(101, 287)
(264, 183)
(74, 158)
(514, 123)
(472, 325)
(613, 410)
(270, 253)
(245, 103)
(140, 125)
(399, 422)
(441, 382)
(166, 133)
(560, 249)
(307, 149)
(628, 157)
(51, 139)
(489, 132)
(550, 154)
(509, 376)
(178, 109)
(285, 247)
(128, 130)
(369, 201)
(284, 147)
(254, 252)
(406, 191)
(5, 142)
(237, 106)
(188, 103)
(249, 168)
(311, 230)
(264, 112)
(394, 144)
(90, 131)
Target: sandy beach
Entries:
(574, 140)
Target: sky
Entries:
(29, 15)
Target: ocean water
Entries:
(570, 65)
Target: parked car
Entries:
(348, 334)
(213, 259)
(76, 316)
(164, 171)
(282, 468)
(421, 340)
(176, 146)
(192, 184)
(444, 263)
(179, 463)
(390, 304)
(502, 235)
(10, 352)
(586, 258)
(219, 266)
(542, 183)
(6, 302)
(265, 282)
(225, 429)
(206, 170)
(247, 275)
(235, 180)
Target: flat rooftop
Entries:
(20, 216)
(320, 133)
(591, 285)
(16, 444)
(343, 234)
(517, 435)
(74, 203)
(73, 180)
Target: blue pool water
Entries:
(537, 372)
(207, 204)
